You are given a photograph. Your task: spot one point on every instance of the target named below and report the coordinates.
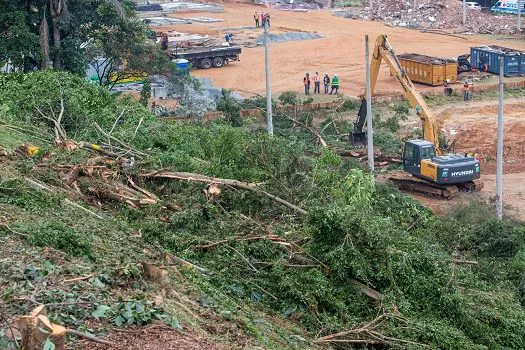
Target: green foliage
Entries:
(348, 3)
(349, 105)
(477, 232)
(145, 93)
(231, 107)
(290, 98)
(443, 142)
(16, 192)
(138, 312)
(387, 142)
(401, 111)
(35, 97)
(265, 258)
(56, 235)
(18, 42)
(308, 100)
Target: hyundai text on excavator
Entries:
(427, 170)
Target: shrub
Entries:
(58, 236)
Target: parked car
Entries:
(473, 5)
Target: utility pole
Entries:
(369, 130)
(499, 163)
(269, 117)
(414, 5)
(519, 15)
(464, 12)
(372, 5)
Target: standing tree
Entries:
(18, 43)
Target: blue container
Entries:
(514, 60)
(182, 64)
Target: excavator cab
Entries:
(419, 159)
(414, 153)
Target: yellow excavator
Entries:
(427, 169)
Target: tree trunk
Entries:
(55, 8)
(57, 61)
(44, 42)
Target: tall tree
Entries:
(60, 18)
(18, 42)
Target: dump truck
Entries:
(207, 57)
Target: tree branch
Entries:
(90, 337)
(308, 128)
(207, 179)
(123, 144)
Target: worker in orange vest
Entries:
(466, 89)
(306, 81)
(317, 83)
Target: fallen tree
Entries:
(213, 180)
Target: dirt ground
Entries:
(341, 50)
(474, 126)
(152, 339)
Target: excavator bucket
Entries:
(358, 136)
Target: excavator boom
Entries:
(384, 51)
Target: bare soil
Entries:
(474, 125)
(341, 51)
(153, 339)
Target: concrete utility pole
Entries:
(372, 5)
(464, 12)
(369, 130)
(414, 5)
(519, 15)
(499, 162)
(269, 117)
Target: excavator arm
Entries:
(384, 51)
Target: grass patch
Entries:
(59, 236)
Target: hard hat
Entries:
(448, 80)
(335, 75)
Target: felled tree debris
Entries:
(122, 194)
(36, 330)
(213, 180)
(370, 334)
(362, 156)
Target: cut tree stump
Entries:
(36, 329)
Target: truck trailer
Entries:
(207, 57)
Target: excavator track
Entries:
(409, 183)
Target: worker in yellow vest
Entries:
(335, 85)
